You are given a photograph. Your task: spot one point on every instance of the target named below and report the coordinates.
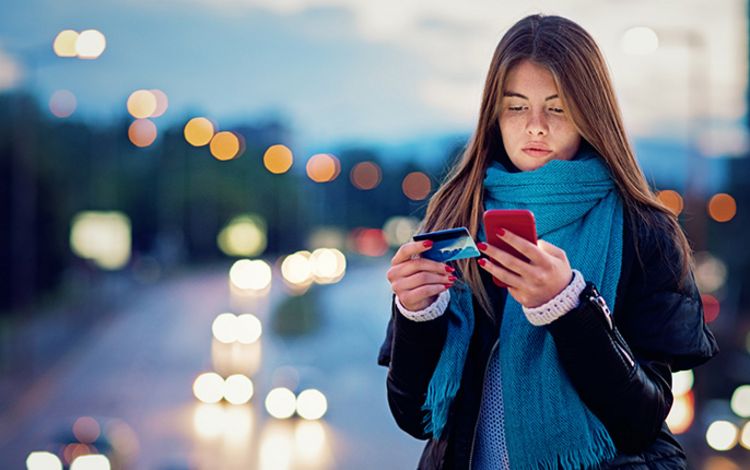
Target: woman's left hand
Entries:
(532, 283)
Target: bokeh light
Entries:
(124, 440)
(103, 237)
(248, 274)
(740, 402)
(141, 104)
(74, 450)
(224, 328)
(281, 403)
(238, 389)
(416, 185)
(711, 307)
(370, 242)
(86, 429)
(682, 413)
(639, 40)
(745, 436)
(249, 328)
(722, 207)
(311, 404)
(710, 272)
(278, 159)
(198, 131)
(42, 460)
(328, 265)
(323, 168)
(296, 269)
(244, 235)
(225, 146)
(722, 435)
(209, 387)
(65, 43)
(682, 382)
(672, 200)
(91, 462)
(62, 103)
(162, 102)
(90, 44)
(399, 230)
(142, 132)
(366, 175)
(327, 237)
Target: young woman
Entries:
(570, 366)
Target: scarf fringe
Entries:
(437, 404)
(601, 450)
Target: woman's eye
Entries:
(556, 110)
(515, 108)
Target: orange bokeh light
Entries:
(225, 146)
(672, 200)
(366, 175)
(722, 207)
(142, 132)
(323, 168)
(416, 186)
(682, 413)
(86, 429)
(198, 131)
(278, 159)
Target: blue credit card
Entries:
(449, 245)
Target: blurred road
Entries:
(134, 372)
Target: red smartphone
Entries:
(519, 221)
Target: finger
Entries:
(505, 259)
(416, 296)
(551, 249)
(525, 247)
(420, 279)
(413, 266)
(508, 277)
(407, 250)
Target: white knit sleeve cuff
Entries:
(431, 312)
(561, 304)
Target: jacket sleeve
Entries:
(411, 351)
(631, 397)
(623, 372)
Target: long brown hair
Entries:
(583, 82)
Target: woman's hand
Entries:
(531, 283)
(418, 281)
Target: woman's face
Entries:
(534, 126)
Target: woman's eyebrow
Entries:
(518, 95)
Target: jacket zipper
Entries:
(481, 399)
(598, 300)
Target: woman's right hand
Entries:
(418, 281)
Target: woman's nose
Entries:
(537, 124)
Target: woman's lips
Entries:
(534, 152)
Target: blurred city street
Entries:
(134, 372)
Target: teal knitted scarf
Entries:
(577, 208)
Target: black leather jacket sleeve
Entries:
(631, 397)
(416, 348)
(622, 370)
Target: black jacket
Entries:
(622, 373)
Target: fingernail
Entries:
(452, 278)
(427, 243)
(447, 286)
(482, 261)
(482, 246)
(448, 269)
(501, 232)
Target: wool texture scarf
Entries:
(546, 425)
